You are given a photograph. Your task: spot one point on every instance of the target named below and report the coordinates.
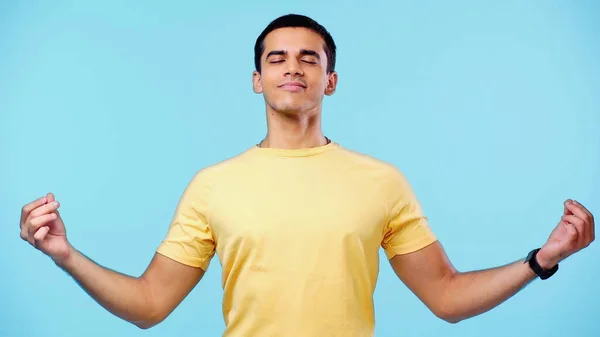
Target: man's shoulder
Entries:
(371, 162)
(386, 175)
(223, 167)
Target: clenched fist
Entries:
(42, 226)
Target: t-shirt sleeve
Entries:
(189, 239)
(407, 228)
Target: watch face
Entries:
(529, 256)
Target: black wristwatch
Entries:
(537, 269)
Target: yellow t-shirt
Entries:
(297, 233)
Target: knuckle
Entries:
(37, 223)
(33, 223)
(33, 213)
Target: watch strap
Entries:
(537, 269)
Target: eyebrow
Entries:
(302, 52)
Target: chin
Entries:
(291, 108)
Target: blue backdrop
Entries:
(491, 110)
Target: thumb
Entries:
(40, 235)
(571, 231)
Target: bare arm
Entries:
(144, 301)
(455, 296)
(452, 295)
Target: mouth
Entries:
(293, 86)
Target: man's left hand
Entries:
(574, 232)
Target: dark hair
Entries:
(296, 20)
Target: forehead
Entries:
(292, 39)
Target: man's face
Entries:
(293, 77)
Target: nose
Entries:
(293, 68)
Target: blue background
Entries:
(491, 110)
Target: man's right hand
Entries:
(42, 226)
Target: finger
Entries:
(567, 211)
(51, 198)
(591, 225)
(584, 209)
(575, 221)
(39, 236)
(44, 209)
(36, 223)
(572, 232)
(577, 211)
(23, 233)
(30, 207)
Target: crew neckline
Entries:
(303, 152)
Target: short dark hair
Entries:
(296, 20)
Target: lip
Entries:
(293, 86)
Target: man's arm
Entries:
(144, 301)
(455, 296)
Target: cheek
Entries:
(318, 88)
(267, 80)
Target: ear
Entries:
(256, 82)
(332, 80)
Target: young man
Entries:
(297, 222)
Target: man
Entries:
(297, 221)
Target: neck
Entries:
(293, 131)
